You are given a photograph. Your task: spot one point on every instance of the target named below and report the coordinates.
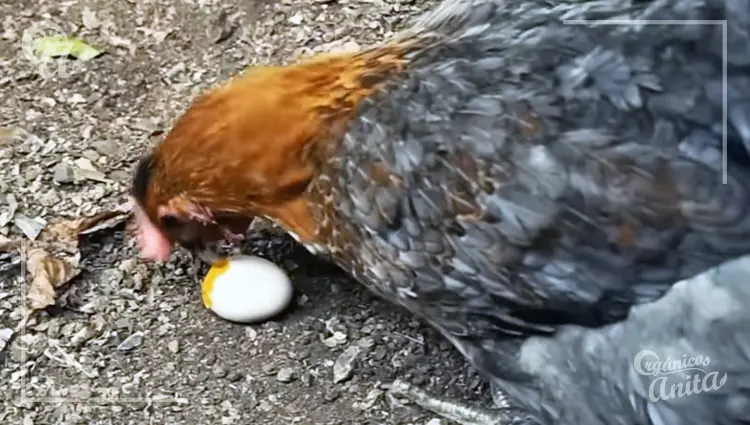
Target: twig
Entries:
(410, 338)
(68, 360)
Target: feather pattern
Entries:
(529, 173)
(531, 177)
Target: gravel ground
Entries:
(130, 343)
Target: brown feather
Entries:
(252, 146)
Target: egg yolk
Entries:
(217, 269)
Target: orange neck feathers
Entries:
(252, 146)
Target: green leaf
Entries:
(64, 46)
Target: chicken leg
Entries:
(459, 412)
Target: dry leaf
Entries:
(47, 273)
(8, 245)
(69, 230)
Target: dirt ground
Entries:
(130, 343)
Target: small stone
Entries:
(269, 368)
(219, 372)
(344, 365)
(379, 353)
(201, 378)
(350, 46)
(119, 175)
(77, 98)
(173, 346)
(366, 342)
(91, 155)
(123, 323)
(296, 19)
(63, 173)
(234, 376)
(272, 327)
(434, 421)
(331, 396)
(265, 406)
(209, 359)
(251, 333)
(5, 335)
(131, 342)
(30, 227)
(369, 401)
(49, 198)
(32, 173)
(107, 148)
(127, 265)
(285, 375)
(148, 125)
(90, 20)
(84, 334)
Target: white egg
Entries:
(246, 289)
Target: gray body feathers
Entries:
(545, 176)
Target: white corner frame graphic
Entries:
(149, 400)
(723, 23)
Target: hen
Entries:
(519, 177)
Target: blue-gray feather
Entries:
(545, 176)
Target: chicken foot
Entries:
(456, 411)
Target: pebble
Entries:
(343, 368)
(234, 376)
(209, 359)
(31, 227)
(84, 334)
(372, 397)
(251, 333)
(123, 323)
(77, 98)
(119, 175)
(285, 375)
(366, 342)
(219, 372)
(5, 335)
(131, 342)
(201, 378)
(91, 155)
(269, 368)
(107, 148)
(174, 346)
(49, 199)
(63, 173)
(379, 353)
(331, 396)
(32, 172)
(265, 406)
